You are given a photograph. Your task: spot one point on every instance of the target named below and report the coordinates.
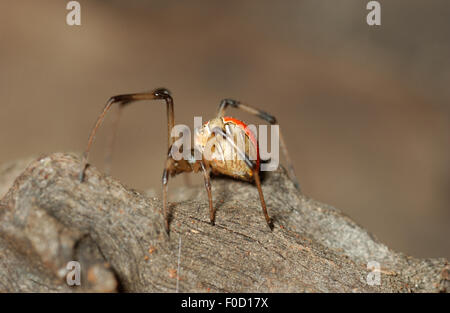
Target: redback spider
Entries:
(237, 163)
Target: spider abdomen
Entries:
(232, 151)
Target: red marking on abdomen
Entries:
(248, 132)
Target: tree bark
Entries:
(48, 218)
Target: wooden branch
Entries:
(48, 218)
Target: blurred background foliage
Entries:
(365, 110)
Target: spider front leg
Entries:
(122, 100)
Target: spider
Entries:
(237, 164)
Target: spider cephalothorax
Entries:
(223, 145)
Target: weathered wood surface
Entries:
(48, 218)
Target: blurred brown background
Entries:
(365, 110)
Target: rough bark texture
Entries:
(48, 218)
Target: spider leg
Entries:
(261, 198)
(255, 170)
(112, 139)
(165, 181)
(212, 210)
(122, 100)
(267, 117)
